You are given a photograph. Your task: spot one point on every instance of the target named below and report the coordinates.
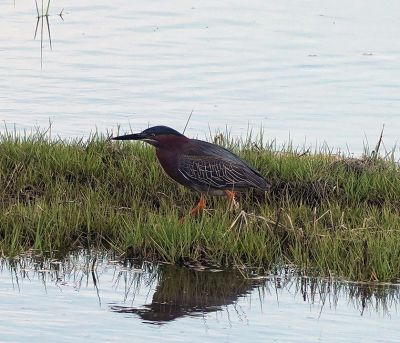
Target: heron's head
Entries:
(156, 135)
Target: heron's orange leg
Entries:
(197, 210)
(233, 204)
(200, 206)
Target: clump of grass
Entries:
(325, 214)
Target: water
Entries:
(64, 301)
(312, 71)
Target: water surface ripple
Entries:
(306, 70)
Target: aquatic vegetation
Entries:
(43, 15)
(325, 214)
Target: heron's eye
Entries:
(152, 134)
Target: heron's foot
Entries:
(197, 210)
(200, 207)
(233, 204)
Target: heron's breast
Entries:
(170, 163)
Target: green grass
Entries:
(325, 214)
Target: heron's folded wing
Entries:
(216, 173)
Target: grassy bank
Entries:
(327, 215)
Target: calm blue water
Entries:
(309, 71)
(64, 302)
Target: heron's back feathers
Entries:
(206, 165)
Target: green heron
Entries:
(201, 166)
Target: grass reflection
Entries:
(42, 17)
(174, 292)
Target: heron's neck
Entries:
(169, 142)
(169, 151)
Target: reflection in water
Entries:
(42, 16)
(182, 292)
(174, 292)
(362, 296)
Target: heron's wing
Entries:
(219, 173)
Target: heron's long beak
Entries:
(131, 137)
(137, 137)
